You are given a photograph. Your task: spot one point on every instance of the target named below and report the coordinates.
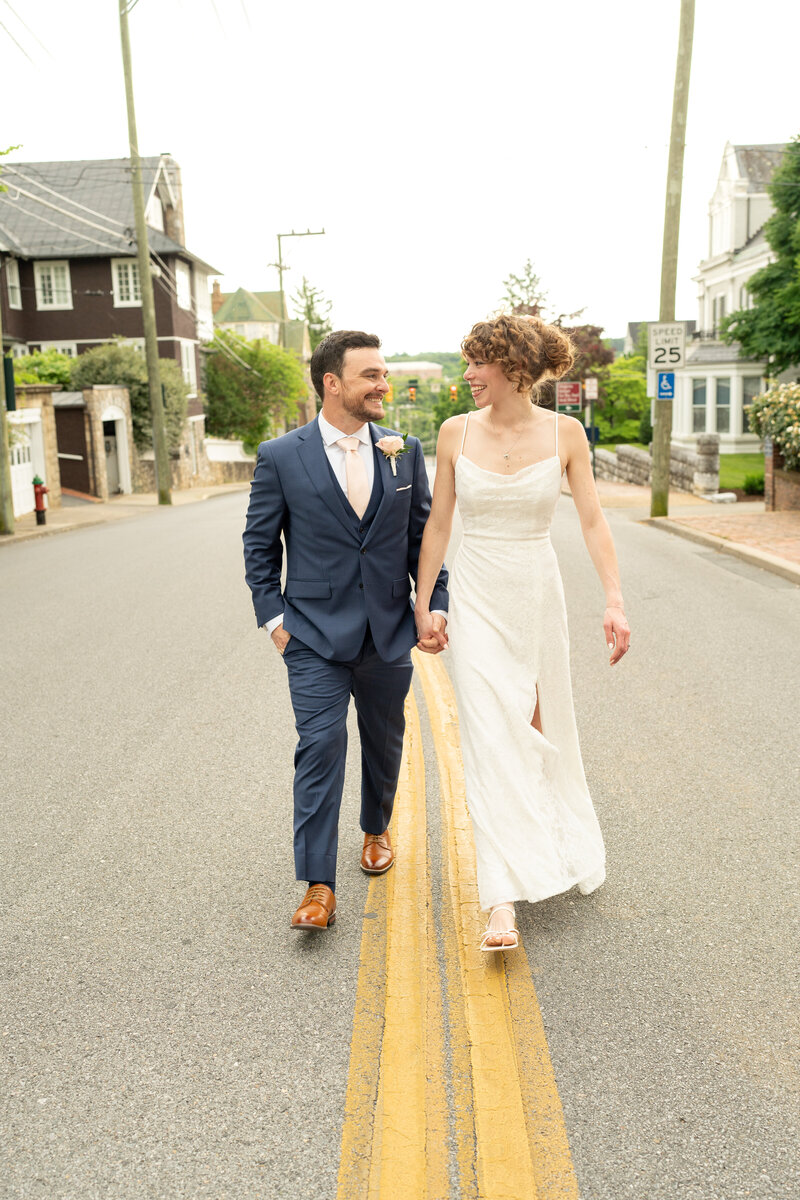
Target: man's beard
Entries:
(356, 406)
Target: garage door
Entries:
(21, 471)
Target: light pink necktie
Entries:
(355, 475)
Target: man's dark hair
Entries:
(329, 354)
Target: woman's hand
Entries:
(431, 635)
(617, 631)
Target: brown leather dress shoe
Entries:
(377, 855)
(318, 909)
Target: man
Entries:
(351, 508)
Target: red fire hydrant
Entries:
(39, 492)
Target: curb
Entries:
(44, 531)
(748, 554)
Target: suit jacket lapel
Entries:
(388, 480)
(311, 451)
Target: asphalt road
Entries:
(166, 1035)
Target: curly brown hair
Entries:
(527, 350)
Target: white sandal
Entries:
(493, 933)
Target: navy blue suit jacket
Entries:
(337, 579)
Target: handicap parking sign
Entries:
(666, 385)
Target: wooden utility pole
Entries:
(145, 277)
(281, 269)
(662, 426)
(6, 493)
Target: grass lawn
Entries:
(734, 467)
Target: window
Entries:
(698, 406)
(718, 312)
(53, 287)
(751, 387)
(12, 283)
(189, 365)
(127, 287)
(19, 351)
(183, 282)
(68, 348)
(745, 299)
(724, 405)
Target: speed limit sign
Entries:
(666, 345)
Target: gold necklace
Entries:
(507, 452)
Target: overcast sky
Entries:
(439, 144)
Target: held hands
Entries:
(617, 631)
(430, 632)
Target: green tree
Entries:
(46, 366)
(122, 364)
(624, 401)
(312, 307)
(445, 407)
(251, 387)
(524, 293)
(771, 329)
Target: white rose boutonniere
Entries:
(390, 447)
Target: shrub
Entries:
(753, 485)
(251, 387)
(45, 366)
(776, 414)
(646, 428)
(122, 364)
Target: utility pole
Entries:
(662, 426)
(281, 269)
(145, 277)
(6, 494)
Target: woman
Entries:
(536, 833)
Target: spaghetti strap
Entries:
(464, 435)
(556, 453)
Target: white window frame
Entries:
(183, 284)
(13, 289)
(68, 348)
(189, 364)
(133, 285)
(40, 269)
(18, 350)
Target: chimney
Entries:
(217, 300)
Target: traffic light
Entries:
(412, 393)
(453, 392)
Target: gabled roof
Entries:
(241, 306)
(757, 164)
(80, 209)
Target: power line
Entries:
(27, 27)
(13, 170)
(17, 44)
(64, 212)
(75, 233)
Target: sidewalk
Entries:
(77, 513)
(766, 539)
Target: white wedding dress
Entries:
(536, 833)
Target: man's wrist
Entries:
(272, 624)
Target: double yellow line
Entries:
(489, 1082)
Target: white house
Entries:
(716, 385)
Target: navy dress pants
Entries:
(320, 690)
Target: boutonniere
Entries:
(391, 447)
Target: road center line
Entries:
(522, 1149)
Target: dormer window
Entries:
(154, 216)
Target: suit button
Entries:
(363, 552)
(361, 587)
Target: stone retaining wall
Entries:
(689, 471)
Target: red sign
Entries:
(568, 396)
